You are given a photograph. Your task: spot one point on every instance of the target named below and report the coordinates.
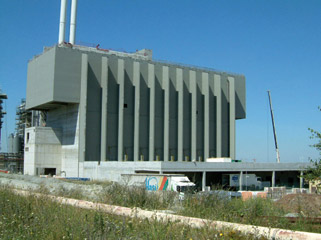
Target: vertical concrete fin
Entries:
(83, 108)
(166, 112)
(205, 91)
(218, 95)
(241, 181)
(193, 90)
(151, 85)
(203, 181)
(232, 116)
(104, 99)
(136, 81)
(120, 81)
(179, 83)
(301, 179)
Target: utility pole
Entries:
(274, 132)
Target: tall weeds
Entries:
(39, 218)
(137, 196)
(253, 211)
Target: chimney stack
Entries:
(73, 16)
(62, 25)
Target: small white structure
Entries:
(219, 160)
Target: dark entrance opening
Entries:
(50, 171)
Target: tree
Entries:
(313, 173)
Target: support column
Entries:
(179, 82)
(203, 181)
(136, 81)
(166, 112)
(120, 81)
(83, 109)
(104, 99)
(151, 85)
(193, 90)
(232, 116)
(205, 89)
(301, 180)
(273, 178)
(241, 181)
(218, 95)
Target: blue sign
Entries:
(151, 183)
(235, 178)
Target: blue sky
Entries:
(275, 44)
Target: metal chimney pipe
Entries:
(62, 25)
(73, 16)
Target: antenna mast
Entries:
(274, 132)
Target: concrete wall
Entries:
(66, 118)
(53, 78)
(112, 170)
(40, 77)
(42, 150)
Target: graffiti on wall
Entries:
(156, 183)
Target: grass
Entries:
(39, 218)
(137, 196)
(259, 212)
(235, 210)
(91, 182)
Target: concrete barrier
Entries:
(299, 190)
(270, 233)
(249, 195)
(275, 192)
(262, 194)
(246, 195)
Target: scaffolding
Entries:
(2, 113)
(12, 162)
(23, 121)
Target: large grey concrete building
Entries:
(106, 113)
(126, 109)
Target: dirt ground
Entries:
(309, 205)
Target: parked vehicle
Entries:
(248, 180)
(160, 182)
(221, 194)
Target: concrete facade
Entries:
(105, 107)
(110, 113)
(42, 149)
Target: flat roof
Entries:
(233, 166)
(200, 166)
